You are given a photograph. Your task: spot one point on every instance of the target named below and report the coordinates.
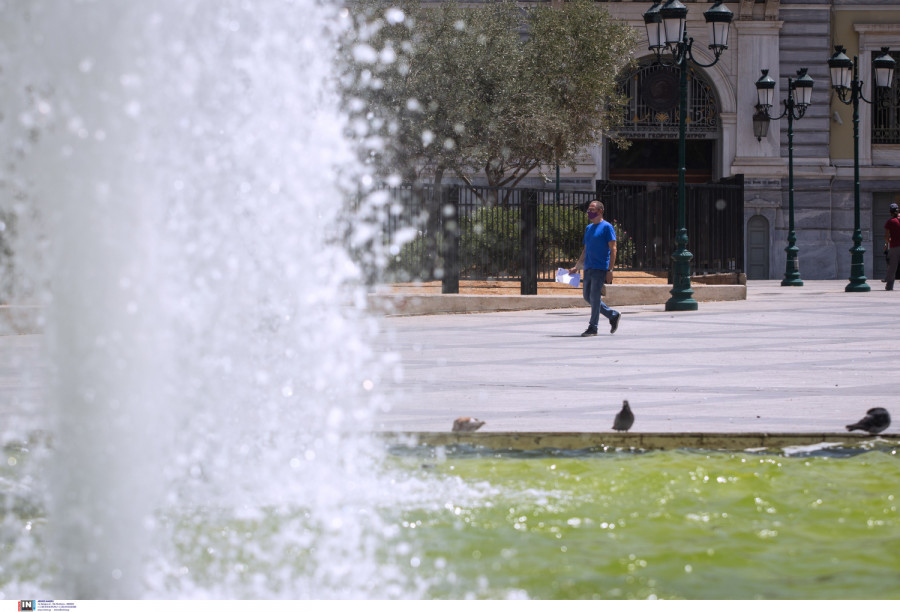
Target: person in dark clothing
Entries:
(892, 243)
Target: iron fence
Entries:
(714, 218)
(490, 226)
(484, 233)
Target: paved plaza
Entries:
(785, 360)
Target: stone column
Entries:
(757, 43)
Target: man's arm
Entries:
(612, 261)
(578, 263)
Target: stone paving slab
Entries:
(785, 360)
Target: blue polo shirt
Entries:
(597, 237)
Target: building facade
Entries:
(782, 36)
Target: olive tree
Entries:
(488, 92)
(496, 90)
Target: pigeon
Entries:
(875, 421)
(467, 424)
(625, 418)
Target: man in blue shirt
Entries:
(598, 257)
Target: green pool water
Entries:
(462, 523)
(675, 524)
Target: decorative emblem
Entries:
(659, 90)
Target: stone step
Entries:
(616, 295)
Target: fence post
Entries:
(450, 239)
(529, 242)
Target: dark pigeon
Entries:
(467, 424)
(875, 421)
(625, 418)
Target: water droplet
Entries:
(387, 55)
(364, 54)
(394, 15)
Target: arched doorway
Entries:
(651, 124)
(758, 248)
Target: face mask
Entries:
(592, 215)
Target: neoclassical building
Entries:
(782, 36)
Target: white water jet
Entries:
(206, 323)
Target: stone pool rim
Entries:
(644, 441)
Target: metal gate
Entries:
(647, 212)
(479, 233)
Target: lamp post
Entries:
(799, 96)
(846, 83)
(666, 33)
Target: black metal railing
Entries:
(491, 226)
(714, 216)
(483, 233)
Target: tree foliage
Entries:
(496, 90)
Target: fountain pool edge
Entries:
(528, 441)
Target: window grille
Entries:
(886, 111)
(652, 111)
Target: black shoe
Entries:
(590, 331)
(614, 322)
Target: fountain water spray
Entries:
(212, 374)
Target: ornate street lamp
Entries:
(760, 123)
(666, 33)
(799, 97)
(846, 83)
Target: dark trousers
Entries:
(893, 260)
